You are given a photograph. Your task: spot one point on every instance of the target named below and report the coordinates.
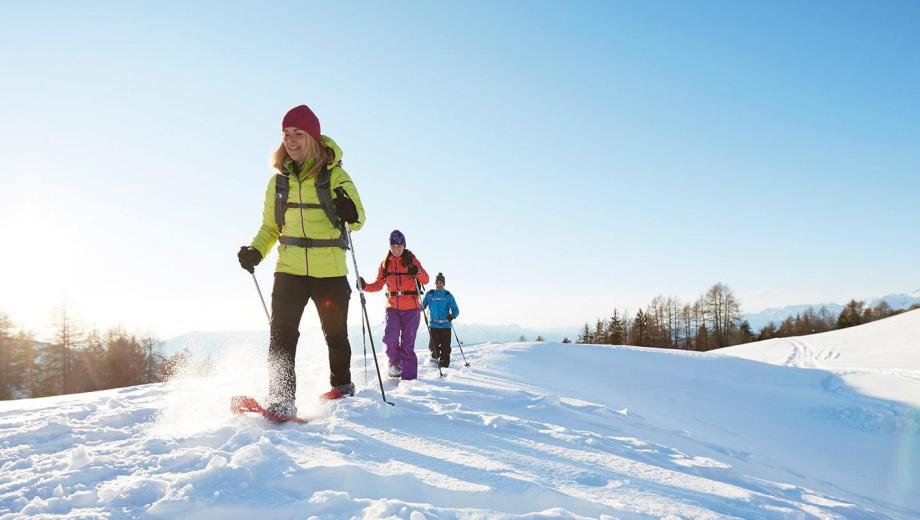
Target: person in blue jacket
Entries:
(442, 308)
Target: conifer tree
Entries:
(744, 333)
(599, 336)
(585, 336)
(851, 315)
(767, 332)
(640, 329)
(702, 338)
(616, 335)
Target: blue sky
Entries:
(553, 159)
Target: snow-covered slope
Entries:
(881, 358)
(890, 343)
(529, 431)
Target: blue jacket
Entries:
(438, 303)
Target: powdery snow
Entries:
(530, 431)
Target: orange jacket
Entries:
(398, 280)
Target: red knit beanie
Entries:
(303, 118)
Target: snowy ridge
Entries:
(530, 431)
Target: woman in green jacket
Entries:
(306, 204)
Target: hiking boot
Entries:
(339, 392)
(394, 371)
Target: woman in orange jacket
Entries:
(399, 271)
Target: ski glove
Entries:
(361, 283)
(407, 259)
(345, 209)
(450, 317)
(249, 258)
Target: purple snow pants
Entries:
(399, 337)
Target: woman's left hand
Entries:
(345, 209)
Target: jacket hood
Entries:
(336, 151)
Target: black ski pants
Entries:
(290, 296)
(440, 345)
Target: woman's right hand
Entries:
(249, 258)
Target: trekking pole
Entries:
(341, 193)
(421, 291)
(267, 315)
(459, 344)
(364, 342)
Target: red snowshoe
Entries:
(241, 404)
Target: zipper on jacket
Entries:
(306, 250)
(395, 267)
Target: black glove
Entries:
(249, 258)
(450, 317)
(407, 259)
(361, 283)
(345, 209)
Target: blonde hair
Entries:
(315, 151)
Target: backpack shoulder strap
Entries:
(282, 186)
(324, 194)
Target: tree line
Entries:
(813, 321)
(714, 321)
(75, 359)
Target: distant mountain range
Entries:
(204, 343)
(759, 319)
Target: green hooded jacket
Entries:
(321, 262)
